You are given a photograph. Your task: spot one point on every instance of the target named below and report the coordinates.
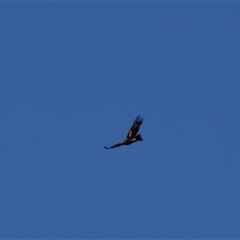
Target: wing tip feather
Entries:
(138, 119)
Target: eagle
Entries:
(132, 135)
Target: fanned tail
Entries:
(139, 137)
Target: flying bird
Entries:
(132, 135)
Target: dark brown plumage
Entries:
(132, 135)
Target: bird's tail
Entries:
(139, 137)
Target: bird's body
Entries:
(132, 135)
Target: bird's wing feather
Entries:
(135, 127)
(115, 145)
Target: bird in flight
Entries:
(132, 135)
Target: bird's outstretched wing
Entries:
(115, 145)
(135, 127)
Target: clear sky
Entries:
(73, 78)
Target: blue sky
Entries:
(73, 78)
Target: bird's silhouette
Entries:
(132, 135)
